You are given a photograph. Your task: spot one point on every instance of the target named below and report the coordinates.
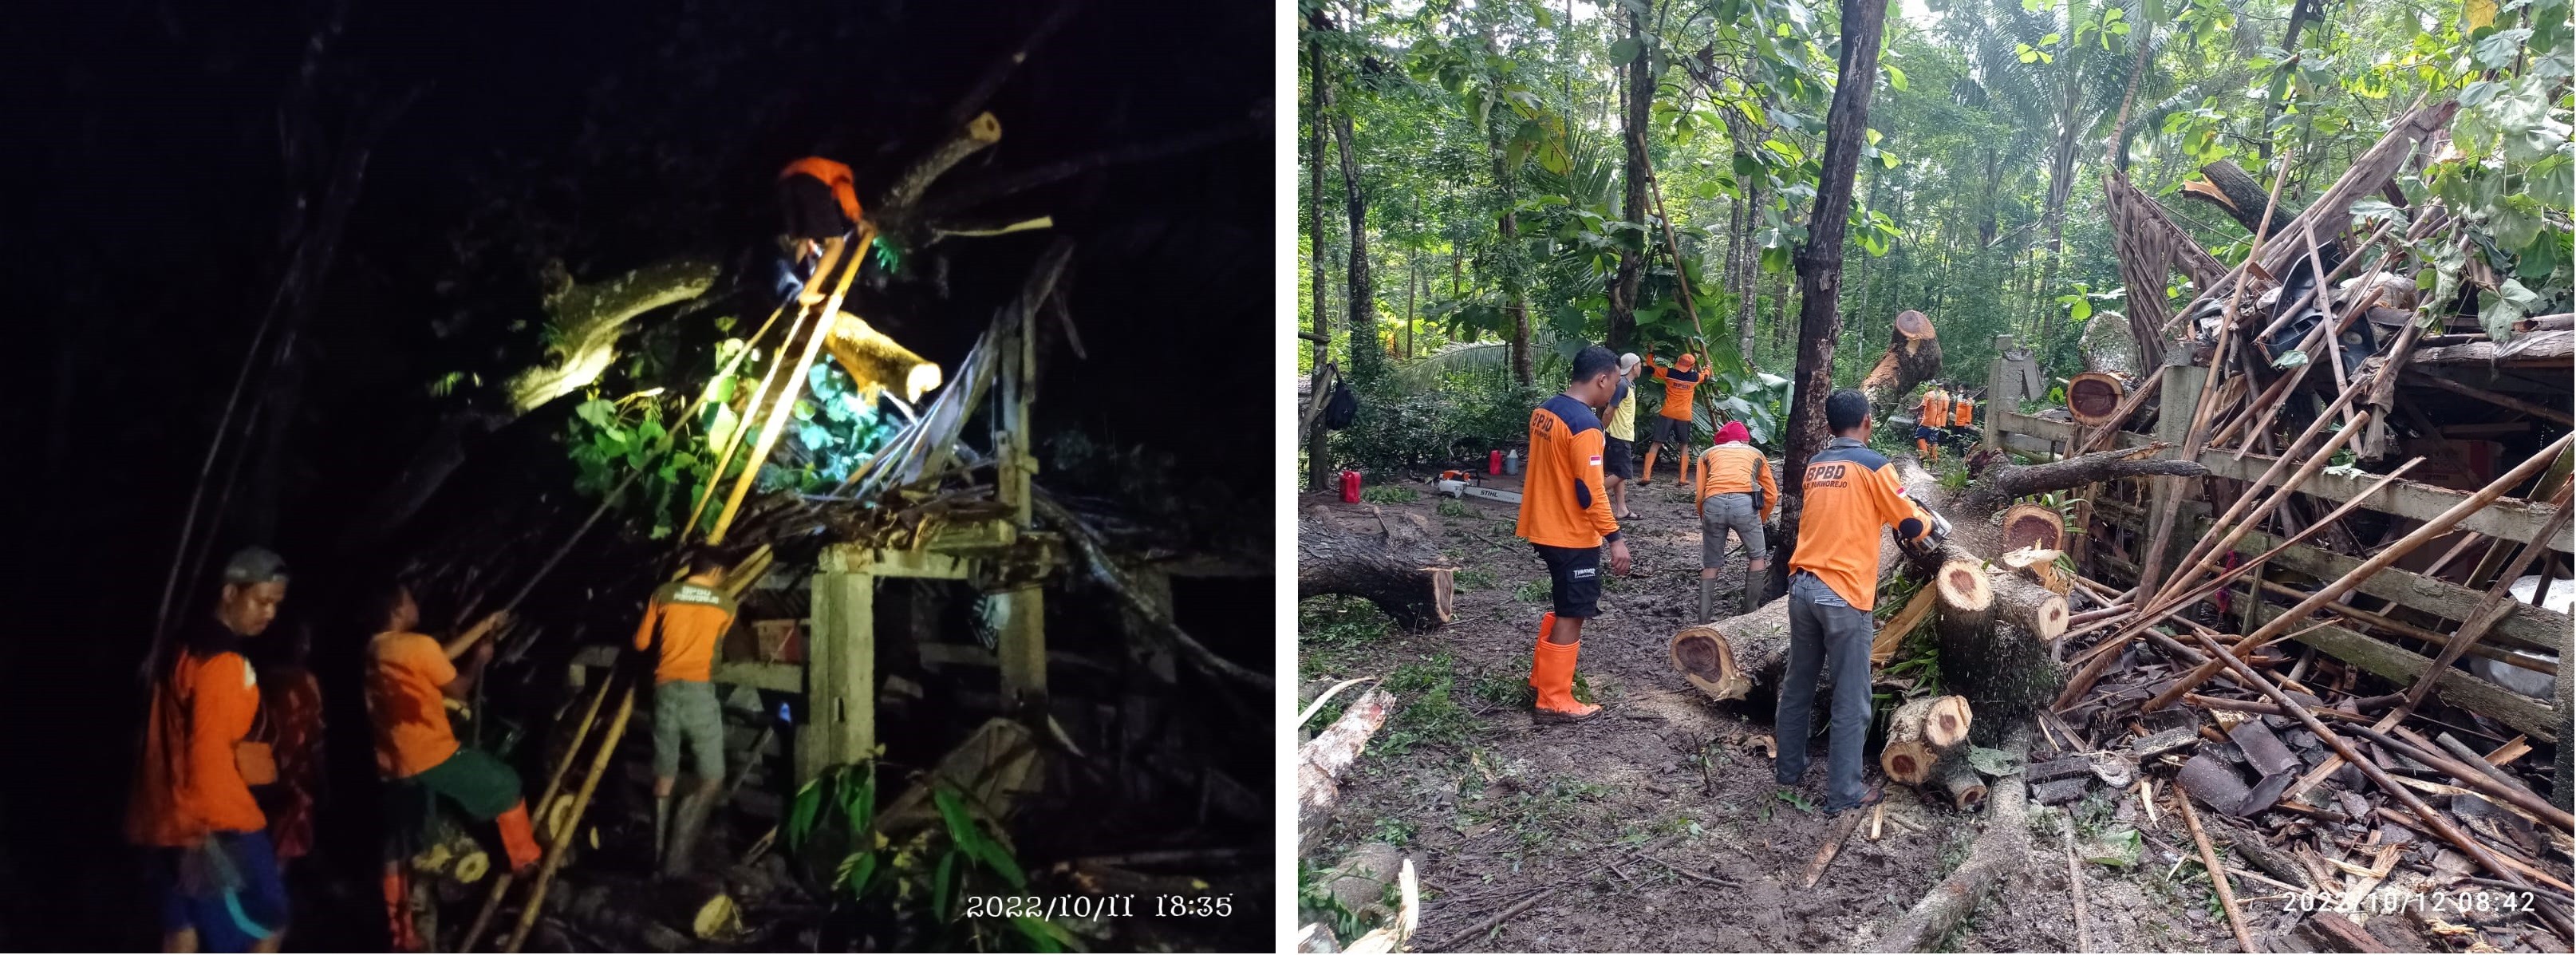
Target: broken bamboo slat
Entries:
(544, 806)
(2233, 524)
(2217, 873)
(2490, 609)
(2272, 632)
(2424, 751)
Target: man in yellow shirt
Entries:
(683, 624)
(1619, 452)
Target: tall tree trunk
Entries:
(1748, 296)
(2061, 184)
(1412, 282)
(1820, 260)
(2301, 11)
(1367, 354)
(1508, 258)
(1637, 95)
(1780, 325)
(1319, 462)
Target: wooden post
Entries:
(2181, 396)
(841, 673)
(1023, 631)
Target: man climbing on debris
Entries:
(1567, 520)
(1619, 451)
(1672, 423)
(213, 868)
(1849, 493)
(819, 202)
(1735, 493)
(1929, 418)
(410, 677)
(683, 623)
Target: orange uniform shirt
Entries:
(1963, 412)
(1735, 468)
(405, 704)
(188, 784)
(1678, 385)
(693, 620)
(1561, 500)
(1935, 412)
(832, 174)
(1849, 493)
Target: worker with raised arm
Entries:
(818, 201)
(683, 624)
(1673, 422)
(1566, 518)
(1619, 450)
(1736, 493)
(409, 679)
(1849, 494)
(214, 870)
(1929, 418)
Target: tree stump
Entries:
(2094, 397)
(1386, 559)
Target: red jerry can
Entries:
(1494, 462)
(1350, 487)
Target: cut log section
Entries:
(1322, 761)
(1920, 733)
(1960, 784)
(2094, 397)
(1913, 357)
(1383, 558)
(2033, 525)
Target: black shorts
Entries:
(1619, 459)
(1922, 433)
(1672, 431)
(1574, 580)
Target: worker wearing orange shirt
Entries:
(409, 679)
(1850, 494)
(1673, 422)
(1735, 493)
(213, 867)
(1963, 418)
(1930, 417)
(683, 623)
(818, 201)
(1566, 517)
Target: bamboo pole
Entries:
(751, 409)
(554, 783)
(2236, 523)
(2217, 873)
(2322, 339)
(2490, 609)
(563, 837)
(778, 412)
(2426, 752)
(2272, 632)
(2100, 657)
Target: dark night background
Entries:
(140, 228)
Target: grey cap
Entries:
(1628, 361)
(254, 565)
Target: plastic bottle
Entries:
(1494, 463)
(1512, 462)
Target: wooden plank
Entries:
(889, 562)
(2552, 349)
(2014, 422)
(2455, 687)
(1023, 649)
(2509, 518)
(2015, 441)
(2523, 625)
(841, 718)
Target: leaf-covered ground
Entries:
(1606, 815)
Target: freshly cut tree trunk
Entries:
(878, 363)
(1959, 783)
(1920, 734)
(1913, 356)
(2006, 671)
(2033, 525)
(2094, 396)
(1322, 761)
(1388, 561)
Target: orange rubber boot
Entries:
(1686, 466)
(518, 838)
(1647, 476)
(1552, 675)
(398, 924)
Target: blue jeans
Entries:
(1823, 627)
(226, 920)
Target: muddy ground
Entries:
(1606, 815)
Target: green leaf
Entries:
(2498, 49)
(939, 886)
(856, 871)
(800, 816)
(2051, 39)
(1993, 762)
(1895, 77)
(2119, 850)
(1626, 50)
(599, 412)
(2510, 304)
(1043, 935)
(2291, 359)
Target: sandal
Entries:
(1876, 794)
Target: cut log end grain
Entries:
(1959, 783)
(1913, 356)
(1964, 586)
(1920, 734)
(1948, 724)
(1703, 657)
(2093, 397)
(2033, 525)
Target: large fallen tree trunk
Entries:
(1913, 357)
(1384, 558)
(1322, 761)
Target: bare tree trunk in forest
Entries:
(1367, 355)
(2301, 11)
(1412, 281)
(1820, 260)
(1748, 304)
(2061, 184)
(1780, 325)
(1509, 259)
(1319, 464)
(1637, 95)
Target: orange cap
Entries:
(1684, 362)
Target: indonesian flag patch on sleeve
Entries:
(1596, 460)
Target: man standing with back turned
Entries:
(1565, 515)
(1850, 492)
(683, 624)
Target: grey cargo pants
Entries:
(1823, 627)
